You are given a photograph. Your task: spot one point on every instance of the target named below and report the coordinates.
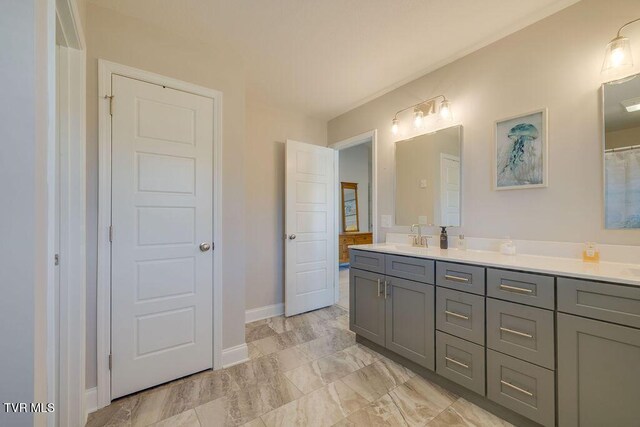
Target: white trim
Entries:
(105, 70)
(362, 138)
(265, 312)
(91, 399)
(71, 156)
(235, 355)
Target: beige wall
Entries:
(268, 129)
(554, 63)
(135, 43)
(623, 138)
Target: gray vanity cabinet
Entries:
(556, 350)
(391, 310)
(409, 320)
(598, 373)
(366, 305)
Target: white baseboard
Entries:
(91, 399)
(234, 355)
(263, 312)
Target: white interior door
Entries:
(450, 189)
(309, 223)
(162, 219)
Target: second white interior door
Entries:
(162, 190)
(310, 245)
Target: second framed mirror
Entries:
(349, 206)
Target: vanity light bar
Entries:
(422, 108)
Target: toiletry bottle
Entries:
(444, 239)
(508, 247)
(462, 244)
(590, 252)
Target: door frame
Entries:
(362, 138)
(105, 70)
(66, 305)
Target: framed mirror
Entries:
(621, 111)
(350, 206)
(428, 175)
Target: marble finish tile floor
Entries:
(305, 370)
(343, 276)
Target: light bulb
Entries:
(394, 126)
(445, 109)
(617, 55)
(418, 116)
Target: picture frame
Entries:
(520, 151)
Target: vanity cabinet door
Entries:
(366, 305)
(598, 373)
(410, 323)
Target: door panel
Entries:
(409, 320)
(366, 305)
(162, 142)
(309, 218)
(598, 373)
(450, 189)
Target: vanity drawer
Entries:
(365, 260)
(460, 361)
(525, 288)
(602, 301)
(468, 278)
(364, 240)
(347, 240)
(521, 331)
(416, 269)
(522, 387)
(460, 314)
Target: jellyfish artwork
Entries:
(523, 160)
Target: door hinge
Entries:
(56, 259)
(111, 233)
(110, 362)
(110, 98)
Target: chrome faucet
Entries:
(419, 240)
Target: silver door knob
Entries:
(204, 247)
(292, 236)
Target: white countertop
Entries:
(628, 274)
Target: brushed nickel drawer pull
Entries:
(386, 294)
(378, 287)
(515, 289)
(521, 390)
(461, 316)
(511, 331)
(456, 278)
(456, 362)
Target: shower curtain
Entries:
(622, 189)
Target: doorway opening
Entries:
(356, 203)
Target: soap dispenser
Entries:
(444, 239)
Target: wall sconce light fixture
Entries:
(422, 109)
(618, 53)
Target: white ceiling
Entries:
(325, 57)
